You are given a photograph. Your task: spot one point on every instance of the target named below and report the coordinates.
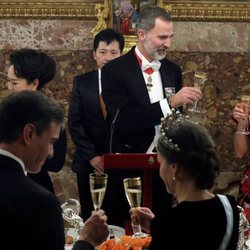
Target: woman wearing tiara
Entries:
(188, 167)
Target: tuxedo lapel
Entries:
(136, 79)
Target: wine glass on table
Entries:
(133, 187)
(245, 106)
(199, 80)
(98, 184)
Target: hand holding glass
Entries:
(199, 80)
(132, 187)
(245, 106)
(98, 184)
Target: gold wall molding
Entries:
(56, 9)
(233, 11)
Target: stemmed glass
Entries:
(199, 80)
(132, 187)
(245, 106)
(98, 184)
(70, 213)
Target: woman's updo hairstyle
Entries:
(190, 146)
(31, 64)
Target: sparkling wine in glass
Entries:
(132, 187)
(199, 80)
(245, 106)
(98, 184)
(70, 213)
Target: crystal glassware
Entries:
(133, 187)
(245, 106)
(70, 213)
(98, 184)
(199, 80)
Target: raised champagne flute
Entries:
(245, 106)
(133, 187)
(199, 80)
(98, 184)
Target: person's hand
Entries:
(186, 95)
(238, 113)
(142, 216)
(95, 229)
(97, 164)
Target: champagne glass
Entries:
(132, 187)
(199, 80)
(98, 184)
(245, 106)
(70, 213)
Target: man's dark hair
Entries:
(21, 108)
(148, 15)
(31, 64)
(108, 36)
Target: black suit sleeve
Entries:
(82, 245)
(55, 163)
(49, 226)
(76, 123)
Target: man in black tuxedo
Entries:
(134, 94)
(30, 215)
(86, 116)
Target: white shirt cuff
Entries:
(165, 107)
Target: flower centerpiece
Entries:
(125, 243)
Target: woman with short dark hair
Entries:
(32, 70)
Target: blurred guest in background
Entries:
(87, 116)
(188, 167)
(32, 70)
(241, 151)
(30, 216)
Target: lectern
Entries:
(145, 162)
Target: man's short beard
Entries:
(154, 54)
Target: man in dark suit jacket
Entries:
(30, 216)
(86, 116)
(133, 91)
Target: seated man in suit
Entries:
(30, 216)
(86, 116)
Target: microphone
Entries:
(112, 128)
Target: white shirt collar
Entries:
(155, 64)
(99, 81)
(10, 155)
(144, 60)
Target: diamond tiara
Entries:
(169, 121)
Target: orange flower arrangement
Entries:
(125, 243)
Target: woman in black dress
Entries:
(188, 167)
